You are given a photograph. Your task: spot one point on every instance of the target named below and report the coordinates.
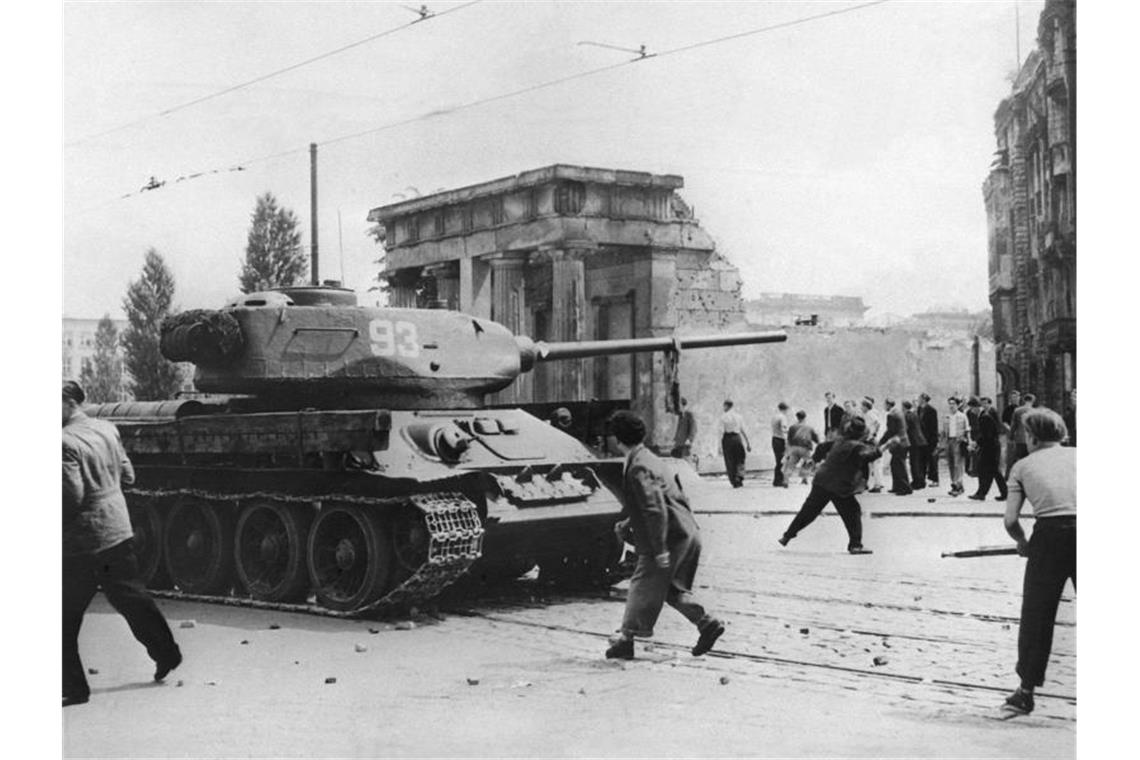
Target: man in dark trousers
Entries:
(780, 425)
(928, 421)
(896, 432)
(837, 481)
(658, 522)
(832, 417)
(917, 446)
(988, 438)
(685, 433)
(97, 545)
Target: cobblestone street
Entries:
(898, 653)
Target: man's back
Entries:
(94, 467)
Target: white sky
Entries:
(840, 156)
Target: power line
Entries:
(240, 166)
(424, 15)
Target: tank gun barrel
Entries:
(533, 352)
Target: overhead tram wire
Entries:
(272, 74)
(240, 166)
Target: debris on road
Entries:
(804, 631)
(405, 625)
(723, 680)
(274, 626)
(361, 648)
(330, 679)
(245, 641)
(92, 672)
(472, 681)
(187, 624)
(879, 660)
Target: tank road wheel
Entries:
(146, 523)
(269, 551)
(411, 540)
(350, 557)
(199, 547)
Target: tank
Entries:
(341, 458)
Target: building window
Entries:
(496, 210)
(438, 219)
(468, 216)
(569, 198)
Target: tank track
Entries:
(455, 534)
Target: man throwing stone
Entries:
(658, 522)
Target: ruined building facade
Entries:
(1030, 198)
(567, 253)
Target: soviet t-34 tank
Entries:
(341, 457)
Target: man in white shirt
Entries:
(875, 420)
(733, 444)
(956, 430)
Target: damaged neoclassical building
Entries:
(567, 253)
(1030, 196)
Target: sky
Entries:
(843, 155)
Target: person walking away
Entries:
(1047, 479)
(802, 438)
(685, 433)
(956, 431)
(875, 425)
(780, 443)
(896, 431)
(928, 422)
(988, 438)
(658, 521)
(973, 412)
(733, 444)
(98, 551)
(836, 482)
(917, 446)
(1017, 431)
(832, 416)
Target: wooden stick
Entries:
(983, 551)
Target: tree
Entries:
(102, 374)
(273, 256)
(147, 303)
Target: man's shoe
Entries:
(783, 540)
(75, 699)
(1019, 702)
(977, 497)
(163, 667)
(876, 489)
(858, 550)
(999, 498)
(903, 493)
(708, 637)
(622, 649)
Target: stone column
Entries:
(508, 304)
(656, 315)
(568, 316)
(475, 287)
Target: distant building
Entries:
(958, 323)
(567, 253)
(1030, 198)
(790, 309)
(79, 343)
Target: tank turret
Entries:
(316, 347)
